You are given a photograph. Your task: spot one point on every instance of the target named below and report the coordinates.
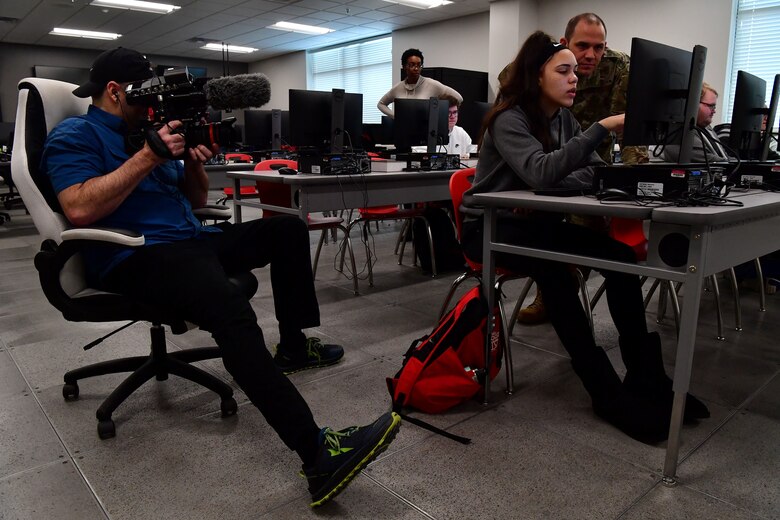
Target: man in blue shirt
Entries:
(104, 175)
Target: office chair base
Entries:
(159, 364)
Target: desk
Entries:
(716, 237)
(311, 193)
(216, 173)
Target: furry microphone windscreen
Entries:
(241, 91)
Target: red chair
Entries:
(238, 158)
(459, 183)
(277, 194)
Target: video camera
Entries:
(178, 96)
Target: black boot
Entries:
(646, 377)
(638, 418)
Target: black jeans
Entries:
(192, 277)
(554, 279)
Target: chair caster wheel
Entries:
(70, 391)
(106, 429)
(228, 407)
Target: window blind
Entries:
(364, 68)
(756, 48)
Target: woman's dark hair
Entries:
(521, 88)
(408, 53)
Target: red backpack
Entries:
(447, 367)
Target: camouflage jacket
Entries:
(604, 94)
(601, 95)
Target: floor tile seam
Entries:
(65, 449)
(513, 339)
(638, 499)
(87, 482)
(15, 474)
(656, 472)
(693, 488)
(340, 373)
(729, 416)
(398, 496)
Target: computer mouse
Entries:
(614, 194)
(287, 171)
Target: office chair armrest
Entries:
(116, 236)
(68, 297)
(213, 212)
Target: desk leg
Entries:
(488, 285)
(302, 201)
(237, 201)
(694, 282)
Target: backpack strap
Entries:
(431, 428)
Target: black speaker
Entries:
(673, 249)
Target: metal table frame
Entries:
(312, 193)
(718, 238)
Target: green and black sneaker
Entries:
(343, 454)
(317, 355)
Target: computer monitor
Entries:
(664, 87)
(747, 116)
(328, 121)
(266, 129)
(420, 122)
(470, 117)
(771, 117)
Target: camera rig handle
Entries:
(156, 143)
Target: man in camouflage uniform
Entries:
(603, 80)
(601, 92)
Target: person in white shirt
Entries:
(460, 140)
(709, 148)
(415, 86)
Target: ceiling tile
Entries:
(242, 22)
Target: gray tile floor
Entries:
(540, 453)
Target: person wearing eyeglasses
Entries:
(707, 147)
(415, 86)
(460, 140)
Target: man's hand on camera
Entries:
(202, 153)
(173, 140)
(165, 143)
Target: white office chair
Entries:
(42, 104)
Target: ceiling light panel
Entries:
(78, 33)
(230, 48)
(300, 28)
(137, 5)
(420, 4)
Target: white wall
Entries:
(511, 21)
(284, 72)
(679, 23)
(460, 43)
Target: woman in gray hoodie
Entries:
(531, 141)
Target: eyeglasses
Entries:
(711, 106)
(413, 65)
(454, 113)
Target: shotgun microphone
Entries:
(241, 91)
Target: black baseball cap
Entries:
(120, 65)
